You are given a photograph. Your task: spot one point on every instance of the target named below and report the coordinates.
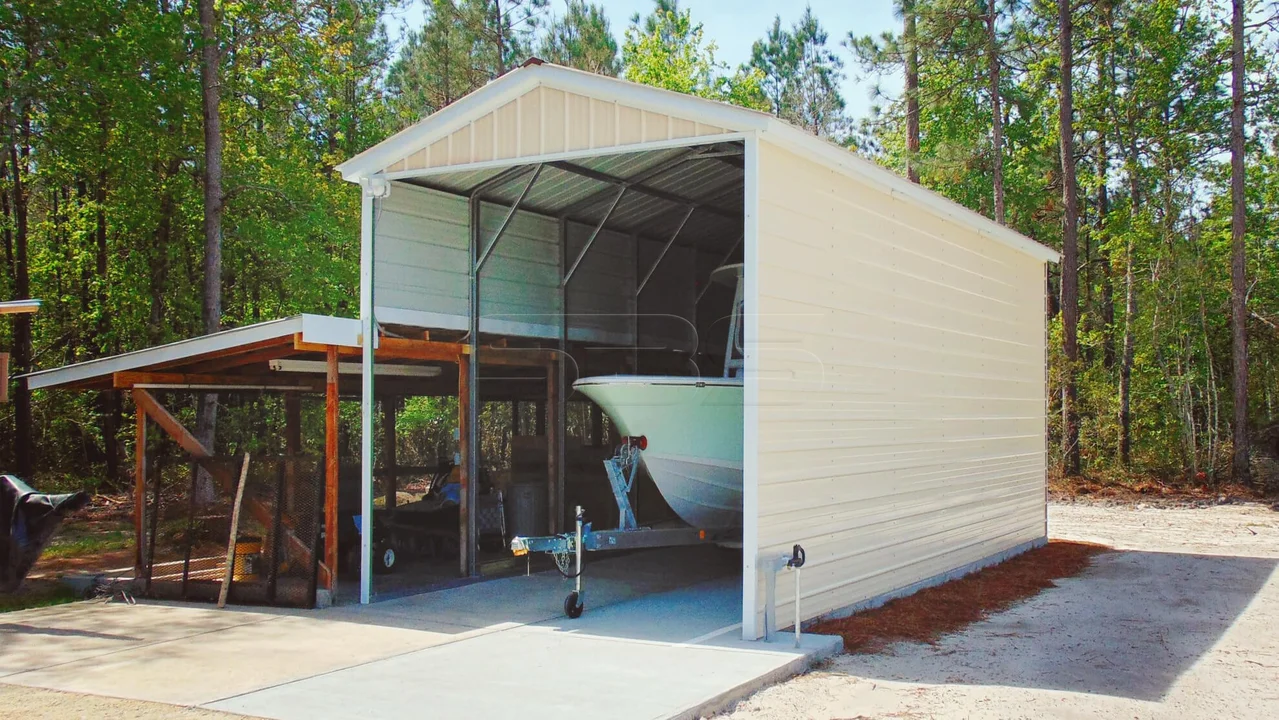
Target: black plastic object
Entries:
(573, 607)
(28, 520)
(797, 558)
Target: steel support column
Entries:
(471, 462)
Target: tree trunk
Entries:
(912, 91)
(24, 450)
(499, 37)
(1070, 249)
(1107, 285)
(1238, 252)
(996, 108)
(1130, 312)
(210, 90)
(108, 401)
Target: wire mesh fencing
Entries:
(189, 532)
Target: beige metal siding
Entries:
(545, 121)
(901, 388)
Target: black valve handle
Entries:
(797, 557)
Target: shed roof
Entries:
(434, 145)
(316, 329)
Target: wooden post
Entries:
(389, 407)
(139, 490)
(463, 448)
(597, 426)
(235, 533)
(540, 423)
(292, 446)
(515, 418)
(331, 468)
(554, 436)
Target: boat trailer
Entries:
(567, 548)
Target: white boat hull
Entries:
(693, 428)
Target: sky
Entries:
(735, 24)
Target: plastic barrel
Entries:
(526, 509)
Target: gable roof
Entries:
(716, 118)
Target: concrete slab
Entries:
(47, 637)
(202, 668)
(673, 654)
(659, 639)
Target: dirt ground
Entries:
(1182, 622)
(37, 704)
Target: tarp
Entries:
(28, 520)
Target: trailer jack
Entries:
(567, 548)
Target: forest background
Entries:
(167, 170)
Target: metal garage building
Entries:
(894, 373)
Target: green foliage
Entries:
(669, 51)
(101, 182)
(800, 76)
(1151, 126)
(581, 39)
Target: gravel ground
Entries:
(1181, 622)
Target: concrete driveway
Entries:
(659, 639)
(1183, 622)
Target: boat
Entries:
(691, 426)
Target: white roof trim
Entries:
(314, 328)
(709, 112)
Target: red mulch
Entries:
(931, 613)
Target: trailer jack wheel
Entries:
(572, 606)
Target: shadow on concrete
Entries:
(22, 629)
(1128, 627)
(666, 595)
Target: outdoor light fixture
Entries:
(351, 368)
(19, 307)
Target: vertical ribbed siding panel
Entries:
(421, 257)
(901, 402)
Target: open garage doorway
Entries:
(625, 270)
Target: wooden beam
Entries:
(331, 468)
(126, 380)
(464, 441)
(389, 408)
(260, 356)
(139, 489)
(435, 351)
(278, 342)
(147, 403)
(395, 349)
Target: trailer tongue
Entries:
(567, 548)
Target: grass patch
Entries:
(78, 539)
(933, 612)
(37, 594)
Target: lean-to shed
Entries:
(894, 372)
